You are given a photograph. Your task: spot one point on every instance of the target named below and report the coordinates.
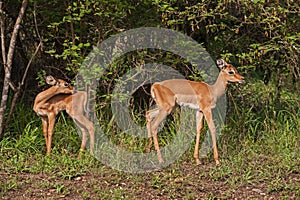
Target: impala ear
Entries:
(50, 80)
(221, 63)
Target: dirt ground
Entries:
(189, 182)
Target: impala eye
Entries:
(231, 72)
(65, 84)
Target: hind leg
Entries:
(150, 117)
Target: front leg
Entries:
(212, 129)
(51, 123)
(45, 129)
(199, 123)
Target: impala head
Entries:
(230, 72)
(50, 80)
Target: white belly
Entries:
(189, 101)
(189, 105)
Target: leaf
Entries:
(52, 51)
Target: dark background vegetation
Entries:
(259, 147)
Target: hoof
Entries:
(147, 150)
(91, 152)
(160, 160)
(198, 162)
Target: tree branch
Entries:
(9, 59)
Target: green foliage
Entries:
(262, 35)
(88, 23)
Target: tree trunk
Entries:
(7, 59)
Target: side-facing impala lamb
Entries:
(196, 95)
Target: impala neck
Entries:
(219, 87)
(44, 96)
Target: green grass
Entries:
(258, 149)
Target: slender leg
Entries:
(51, 120)
(150, 116)
(85, 125)
(212, 128)
(45, 129)
(164, 108)
(199, 118)
(160, 117)
(150, 141)
(84, 136)
(92, 136)
(90, 127)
